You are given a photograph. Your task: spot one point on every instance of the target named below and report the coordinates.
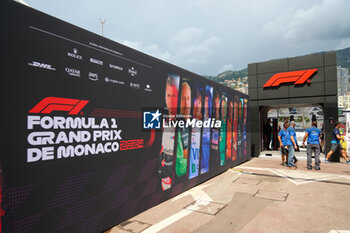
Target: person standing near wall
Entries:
(322, 139)
(284, 152)
(313, 135)
(292, 133)
(287, 144)
(267, 134)
(336, 144)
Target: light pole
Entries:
(102, 24)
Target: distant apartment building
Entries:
(241, 84)
(343, 81)
(344, 101)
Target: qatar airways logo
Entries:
(72, 72)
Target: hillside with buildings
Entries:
(343, 58)
(237, 80)
(343, 62)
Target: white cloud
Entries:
(212, 41)
(324, 21)
(196, 53)
(276, 27)
(225, 68)
(344, 43)
(327, 20)
(186, 35)
(187, 47)
(199, 4)
(152, 49)
(193, 55)
(155, 51)
(133, 44)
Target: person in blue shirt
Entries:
(313, 135)
(284, 151)
(287, 143)
(292, 133)
(336, 144)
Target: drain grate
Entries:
(271, 195)
(206, 207)
(134, 226)
(247, 181)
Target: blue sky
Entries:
(211, 36)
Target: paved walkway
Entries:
(257, 196)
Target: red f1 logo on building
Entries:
(49, 104)
(298, 77)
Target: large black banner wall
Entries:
(75, 156)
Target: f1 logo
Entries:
(49, 104)
(298, 77)
(151, 119)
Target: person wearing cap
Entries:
(313, 135)
(287, 144)
(336, 144)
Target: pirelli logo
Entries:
(50, 104)
(296, 77)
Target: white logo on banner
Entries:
(41, 65)
(75, 54)
(93, 76)
(133, 72)
(98, 62)
(72, 72)
(115, 67)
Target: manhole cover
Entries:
(134, 226)
(247, 181)
(272, 195)
(206, 207)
